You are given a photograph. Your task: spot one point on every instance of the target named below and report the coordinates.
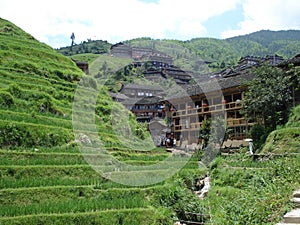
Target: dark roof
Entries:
(142, 87)
(118, 96)
(295, 60)
(118, 44)
(214, 84)
(148, 100)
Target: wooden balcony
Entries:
(206, 110)
(236, 122)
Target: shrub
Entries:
(6, 99)
(259, 134)
(15, 90)
(30, 135)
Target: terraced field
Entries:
(60, 188)
(44, 177)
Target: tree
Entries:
(72, 38)
(213, 131)
(204, 132)
(268, 96)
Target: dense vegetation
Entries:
(285, 139)
(269, 98)
(89, 46)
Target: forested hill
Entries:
(220, 52)
(224, 53)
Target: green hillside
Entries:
(45, 178)
(286, 139)
(89, 46)
(37, 86)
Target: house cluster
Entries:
(157, 65)
(145, 101)
(139, 53)
(219, 93)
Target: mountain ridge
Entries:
(220, 52)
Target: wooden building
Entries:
(140, 53)
(147, 108)
(211, 98)
(140, 91)
(221, 95)
(145, 101)
(121, 50)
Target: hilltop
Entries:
(221, 53)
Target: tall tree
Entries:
(72, 38)
(268, 96)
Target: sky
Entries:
(53, 21)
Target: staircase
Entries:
(293, 217)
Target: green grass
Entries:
(286, 139)
(77, 201)
(107, 217)
(252, 192)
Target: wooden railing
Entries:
(206, 109)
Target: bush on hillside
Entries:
(6, 99)
(294, 119)
(15, 90)
(28, 136)
(286, 139)
(259, 134)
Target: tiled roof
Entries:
(142, 87)
(215, 84)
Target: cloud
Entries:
(267, 15)
(113, 20)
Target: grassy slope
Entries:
(42, 170)
(34, 76)
(287, 139)
(247, 191)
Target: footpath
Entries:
(293, 217)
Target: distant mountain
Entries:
(224, 53)
(284, 43)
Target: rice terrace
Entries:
(158, 134)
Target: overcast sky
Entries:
(54, 21)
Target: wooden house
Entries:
(221, 95)
(140, 53)
(140, 91)
(208, 99)
(121, 50)
(145, 101)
